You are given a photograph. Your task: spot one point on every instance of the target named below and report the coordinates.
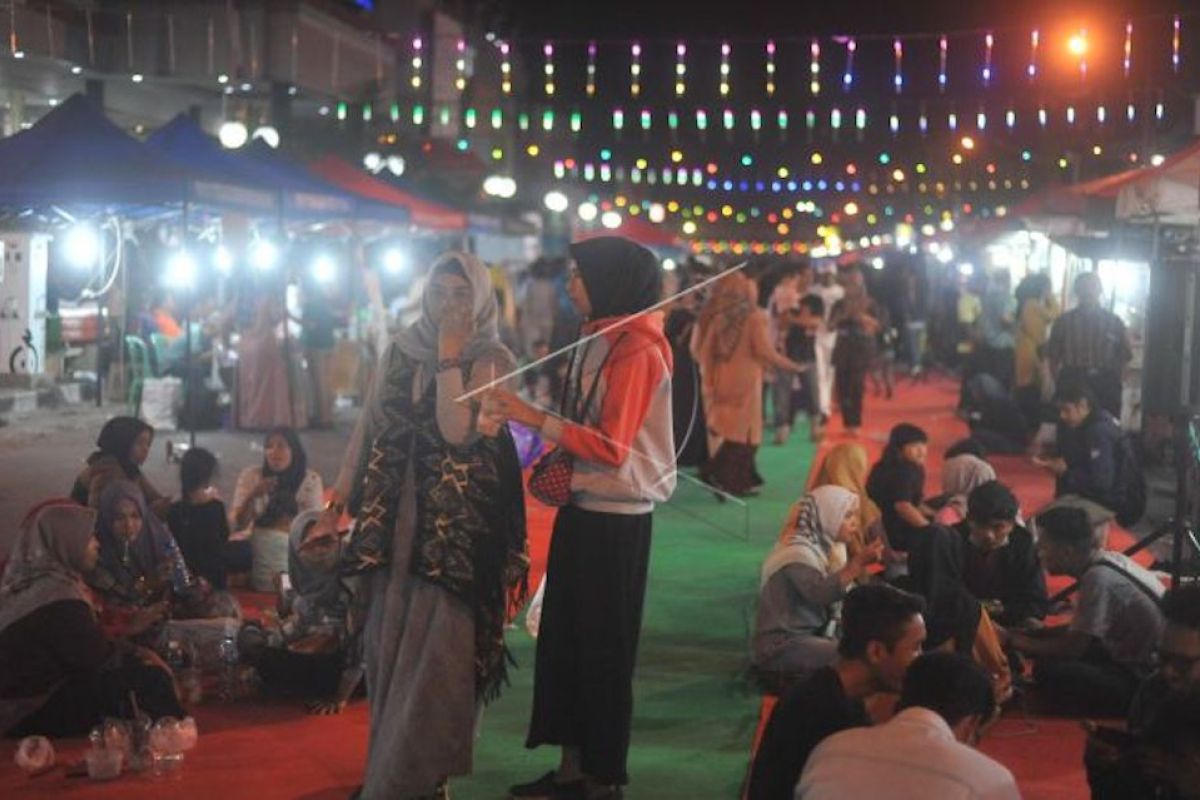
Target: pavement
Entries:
(42, 450)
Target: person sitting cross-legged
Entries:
(882, 633)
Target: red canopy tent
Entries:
(424, 213)
(644, 233)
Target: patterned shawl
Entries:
(809, 535)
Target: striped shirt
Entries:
(1089, 338)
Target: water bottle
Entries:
(229, 664)
(181, 577)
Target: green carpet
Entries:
(694, 713)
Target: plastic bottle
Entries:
(229, 663)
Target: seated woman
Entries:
(803, 581)
(121, 449)
(960, 476)
(268, 498)
(198, 520)
(314, 656)
(846, 466)
(897, 485)
(59, 673)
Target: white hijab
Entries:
(961, 475)
(809, 536)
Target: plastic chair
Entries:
(138, 370)
(159, 344)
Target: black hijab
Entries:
(282, 502)
(116, 440)
(621, 276)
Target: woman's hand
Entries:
(502, 406)
(143, 619)
(1056, 466)
(455, 329)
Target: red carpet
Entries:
(1045, 755)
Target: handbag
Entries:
(550, 481)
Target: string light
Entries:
(1010, 119)
(860, 118)
(988, 42)
(981, 120)
(782, 120)
(548, 69)
(417, 61)
(770, 69)
(701, 119)
(725, 51)
(506, 68)
(923, 122)
(952, 121)
(1101, 114)
(680, 69)
(460, 65)
(814, 67)
(848, 75)
(898, 50)
(1043, 117)
(1079, 46)
(1175, 43)
(591, 70)
(646, 118)
(755, 119)
(1131, 112)
(635, 69)
(835, 118)
(1128, 62)
(1034, 39)
(943, 52)
(727, 119)
(1070, 115)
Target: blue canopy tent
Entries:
(306, 194)
(76, 156)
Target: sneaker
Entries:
(546, 788)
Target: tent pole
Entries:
(287, 339)
(188, 388)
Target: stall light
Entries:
(877, 262)
(137, 77)
(556, 201)
(264, 255)
(501, 186)
(610, 220)
(656, 212)
(395, 260)
(373, 162)
(944, 254)
(588, 211)
(1157, 159)
(689, 228)
(268, 135)
(324, 268)
(181, 270)
(669, 265)
(966, 268)
(232, 134)
(223, 259)
(396, 164)
(81, 245)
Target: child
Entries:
(199, 520)
(897, 485)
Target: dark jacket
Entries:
(1092, 453)
(1012, 574)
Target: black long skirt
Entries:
(587, 642)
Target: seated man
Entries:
(1089, 449)
(925, 751)
(1000, 561)
(1093, 665)
(1116, 769)
(882, 633)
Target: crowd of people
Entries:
(889, 622)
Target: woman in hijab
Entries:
(960, 476)
(59, 673)
(267, 499)
(269, 378)
(122, 448)
(141, 570)
(616, 427)
(732, 345)
(897, 485)
(439, 540)
(319, 658)
(846, 466)
(803, 581)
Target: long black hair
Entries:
(282, 502)
(116, 440)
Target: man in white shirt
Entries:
(925, 751)
(830, 291)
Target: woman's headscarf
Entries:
(319, 591)
(123, 563)
(723, 319)
(962, 474)
(419, 341)
(116, 440)
(47, 560)
(810, 534)
(846, 466)
(621, 276)
(282, 502)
